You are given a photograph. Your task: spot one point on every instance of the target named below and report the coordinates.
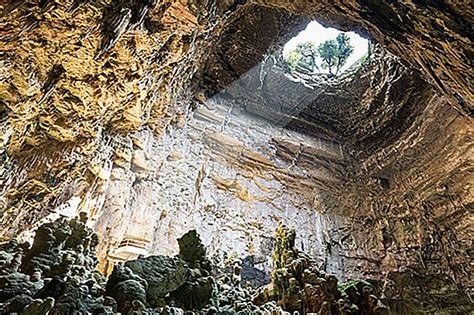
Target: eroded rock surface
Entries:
(164, 285)
(56, 274)
(147, 280)
(299, 286)
(97, 103)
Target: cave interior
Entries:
(163, 158)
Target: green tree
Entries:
(327, 52)
(304, 56)
(335, 52)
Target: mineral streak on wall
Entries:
(78, 78)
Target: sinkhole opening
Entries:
(324, 50)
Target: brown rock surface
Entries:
(374, 168)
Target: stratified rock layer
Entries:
(374, 169)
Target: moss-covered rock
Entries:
(147, 280)
(56, 274)
(162, 274)
(193, 295)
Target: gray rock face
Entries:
(163, 274)
(194, 294)
(61, 248)
(252, 275)
(17, 303)
(126, 292)
(182, 280)
(56, 275)
(191, 248)
(17, 283)
(40, 307)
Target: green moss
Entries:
(284, 251)
(356, 284)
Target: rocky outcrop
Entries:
(56, 275)
(147, 280)
(197, 291)
(158, 282)
(58, 246)
(183, 281)
(80, 120)
(381, 115)
(100, 68)
(432, 37)
(298, 286)
(149, 285)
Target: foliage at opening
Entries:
(333, 54)
(304, 56)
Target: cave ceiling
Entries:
(97, 98)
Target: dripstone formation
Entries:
(57, 275)
(298, 285)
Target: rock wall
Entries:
(234, 176)
(404, 195)
(230, 175)
(81, 74)
(97, 115)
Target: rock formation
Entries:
(159, 117)
(56, 274)
(164, 284)
(298, 286)
(183, 281)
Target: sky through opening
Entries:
(317, 33)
